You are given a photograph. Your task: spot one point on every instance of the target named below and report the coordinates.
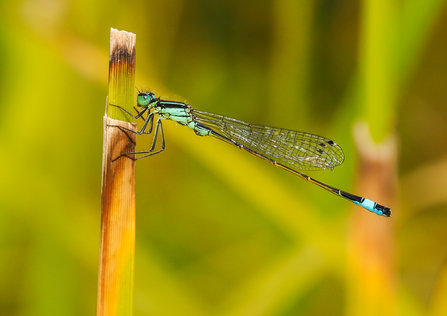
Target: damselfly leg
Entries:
(148, 123)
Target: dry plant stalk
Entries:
(117, 249)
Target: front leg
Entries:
(123, 109)
(148, 121)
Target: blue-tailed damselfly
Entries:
(287, 149)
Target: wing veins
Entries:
(294, 149)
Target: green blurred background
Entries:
(220, 232)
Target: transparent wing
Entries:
(296, 150)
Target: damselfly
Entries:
(287, 149)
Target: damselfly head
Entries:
(146, 99)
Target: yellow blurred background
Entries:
(220, 232)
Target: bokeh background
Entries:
(220, 232)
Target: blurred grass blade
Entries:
(370, 278)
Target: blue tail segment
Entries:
(367, 204)
(375, 208)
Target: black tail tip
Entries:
(386, 211)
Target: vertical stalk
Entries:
(117, 249)
(371, 262)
